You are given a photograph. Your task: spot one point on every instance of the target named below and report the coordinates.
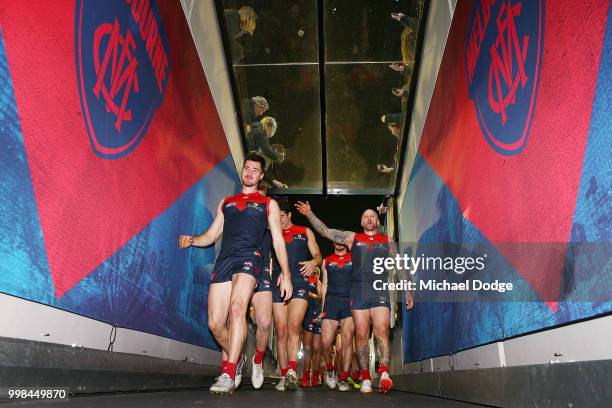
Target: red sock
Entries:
(258, 359)
(305, 375)
(344, 376)
(223, 363)
(365, 374)
(230, 369)
(383, 369)
(330, 366)
(293, 365)
(356, 375)
(315, 376)
(284, 371)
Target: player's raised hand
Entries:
(185, 241)
(303, 207)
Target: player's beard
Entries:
(249, 183)
(370, 226)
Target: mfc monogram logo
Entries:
(122, 68)
(506, 51)
(122, 73)
(503, 60)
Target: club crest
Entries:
(503, 60)
(122, 71)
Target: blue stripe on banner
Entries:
(24, 269)
(593, 215)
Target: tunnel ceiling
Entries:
(323, 67)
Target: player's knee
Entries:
(327, 344)
(295, 327)
(317, 347)
(307, 349)
(381, 331)
(362, 335)
(264, 323)
(215, 325)
(281, 332)
(237, 309)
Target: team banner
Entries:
(514, 163)
(112, 146)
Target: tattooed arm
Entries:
(341, 237)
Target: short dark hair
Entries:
(284, 205)
(256, 158)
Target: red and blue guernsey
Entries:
(365, 249)
(310, 322)
(296, 241)
(339, 276)
(339, 271)
(245, 223)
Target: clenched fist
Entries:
(185, 241)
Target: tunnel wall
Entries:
(542, 177)
(112, 147)
(204, 26)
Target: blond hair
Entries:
(248, 19)
(269, 122)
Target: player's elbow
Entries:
(203, 240)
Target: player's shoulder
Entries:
(359, 236)
(223, 202)
(381, 238)
(231, 198)
(272, 201)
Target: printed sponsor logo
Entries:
(256, 206)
